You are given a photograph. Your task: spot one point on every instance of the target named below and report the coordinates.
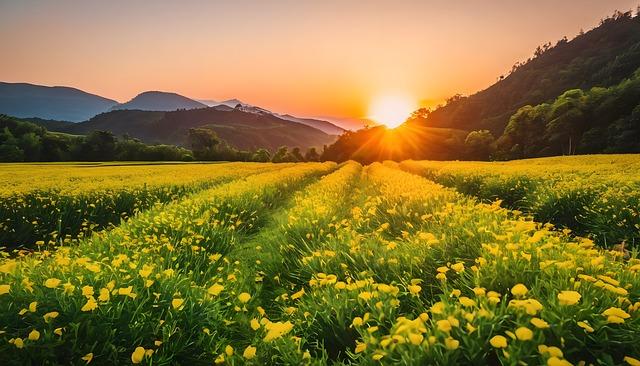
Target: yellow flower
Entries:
(88, 357)
(52, 283)
(451, 343)
(414, 289)
(215, 289)
(255, 324)
(33, 306)
(444, 325)
(34, 335)
(360, 347)
(498, 341)
(612, 319)
(631, 361)
(479, 291)
(555, 361)
(415, 338)
(57, 331)
(277, 330)
(138, 355)
(49, 316)
(4, 289)
(177, 303)
(249, 352)
(519, 290)
(104, 295)
(458, 267)
(90, 305)
(18, 342)
(539, 323)
(524, 334)
(586, 327)
(228, 350)
(298, 294)
(569, 297)
(612, 311)
(465, 301)
(244, 297)
(87, 291)
(357, 321)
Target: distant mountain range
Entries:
(73, 105)
(161, 117)
(51, 102)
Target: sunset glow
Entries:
(391, 110)
(306, 58)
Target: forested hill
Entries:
(576, 97)
(603, 56)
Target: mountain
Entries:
(50, 102)
(239, 128)
(601, 57)
(159, 101)
(325, 126)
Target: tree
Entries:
(203, 142)
(479, 145)
(312, 155)
(261, 155)
(280, 155)
(296, 154)
(99, 146)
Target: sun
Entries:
(391, 110)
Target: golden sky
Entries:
(305, 57)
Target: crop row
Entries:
(592, 201)
(51, 204)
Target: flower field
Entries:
(319, 263)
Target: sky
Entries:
(304, 57)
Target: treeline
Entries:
(206, 145)
(25, 141)
(22, 141)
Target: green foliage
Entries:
(577, 122)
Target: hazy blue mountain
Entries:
(50, 102)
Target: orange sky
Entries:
(309, 58)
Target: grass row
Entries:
(44, 208)
(597, 200)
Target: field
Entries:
(420, 262)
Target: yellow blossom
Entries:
(539, 323)
(215, 289)
(569, 297)
(524, 334)
(52, 283)
(519, 290)
(177, 303)
(498, 341)
(137, 355)
(249, 352)
(34, 335)
(88, 357)
(244, 297)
